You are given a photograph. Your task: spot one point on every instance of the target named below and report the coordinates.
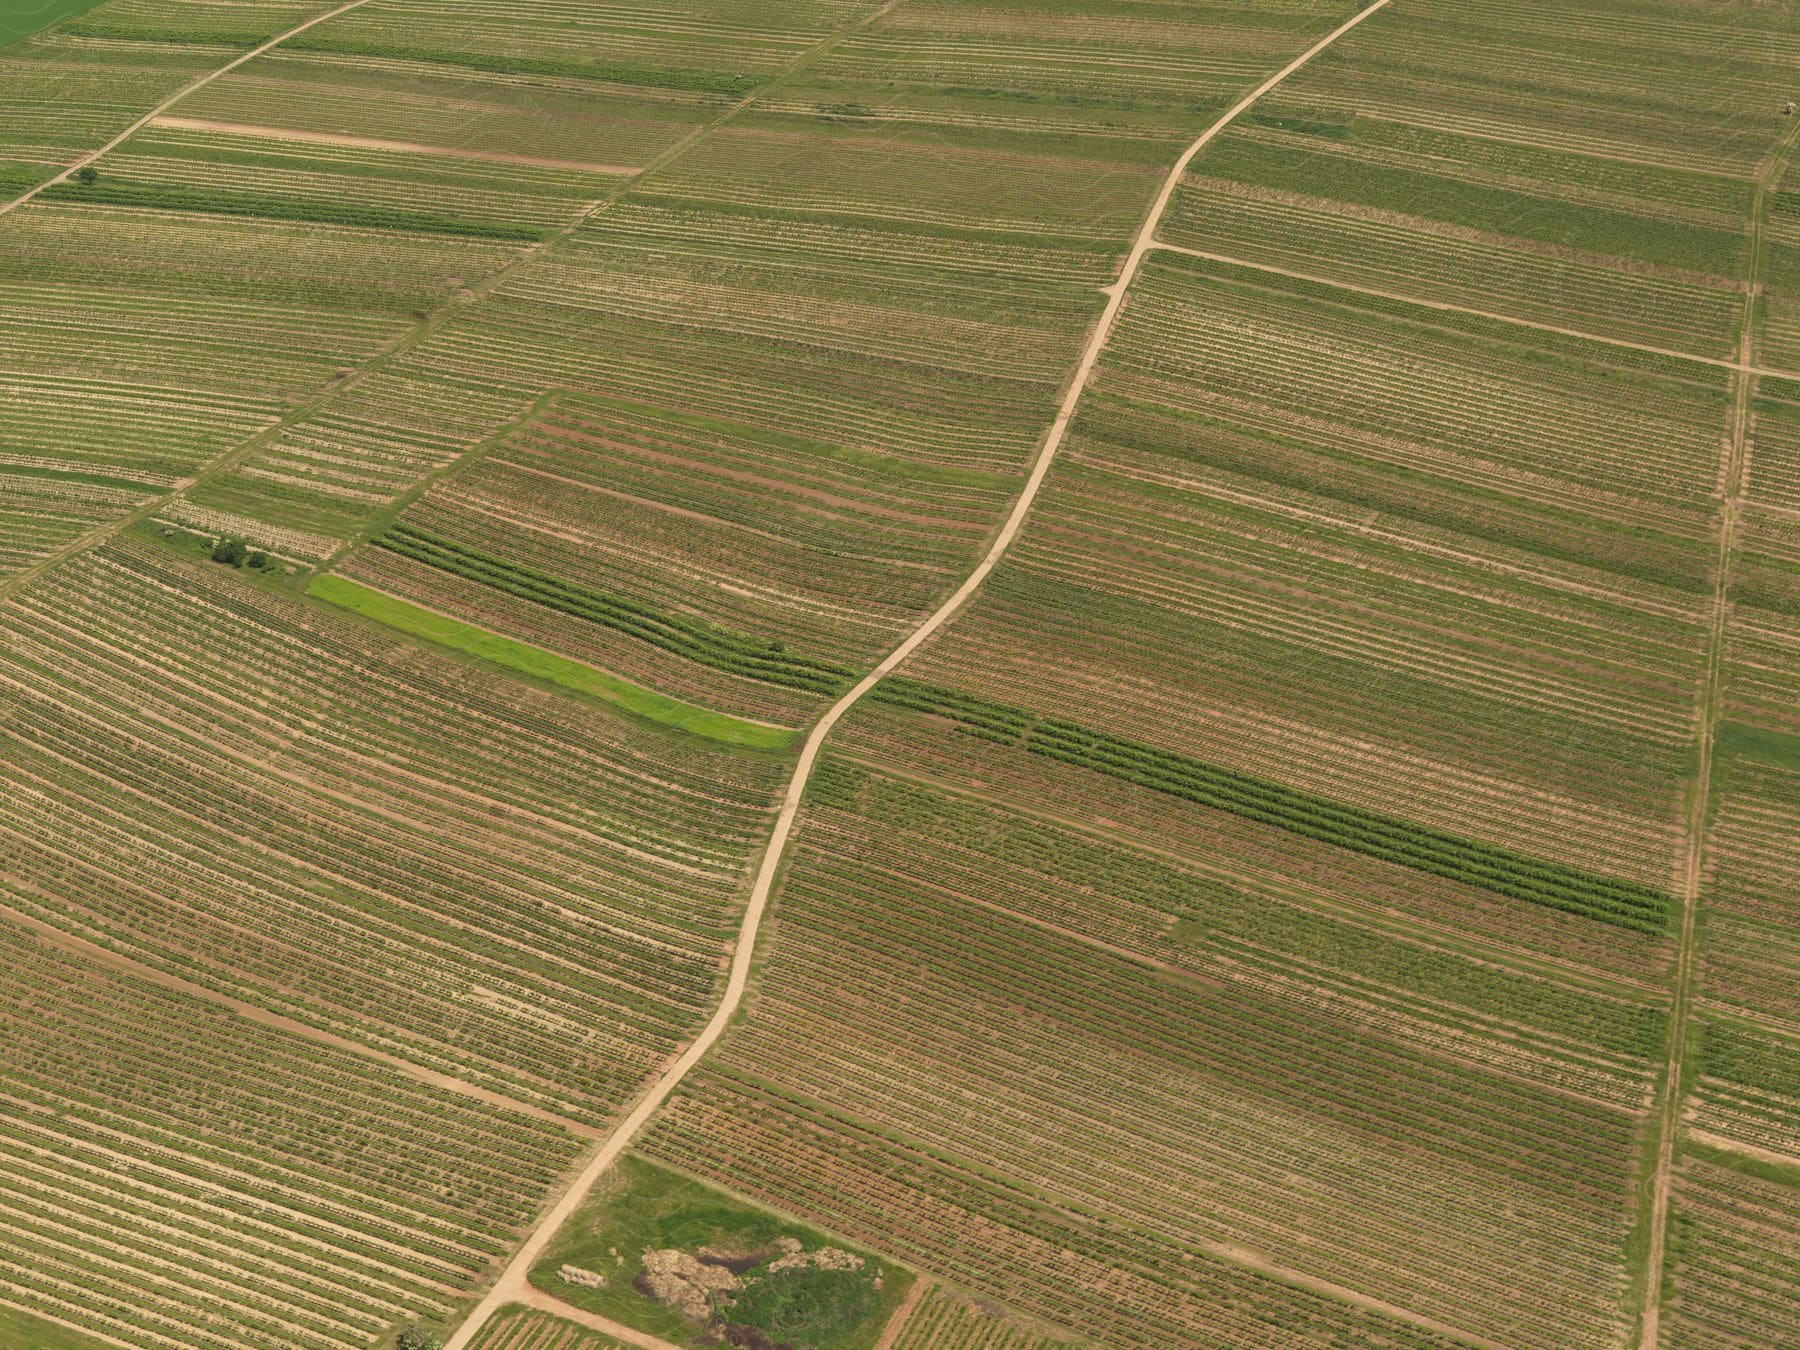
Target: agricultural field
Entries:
(936, 675)
(520, 1328)
(177, 1175)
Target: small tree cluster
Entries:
(414, 1339)
(235, 553)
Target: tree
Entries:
(414, 1339)
(257, 559)
(231, 552)
(86, 174)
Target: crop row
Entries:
(739, 653)
(171, 197)
(516, 1327)
(1487, 866)
(176, 1175)
(1733, 1273)
(944, 1321)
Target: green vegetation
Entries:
(645, 77)
(22, 1331)
(543, 665)
(18, 22)
(710, 645)
(157, 197)
(1503, 871)
(639, 1208)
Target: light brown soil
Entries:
(377, 143)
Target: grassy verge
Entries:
(18, 22)
(22, 1331)
(543, 665)
(639, 1207)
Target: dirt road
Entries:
(513, 1285)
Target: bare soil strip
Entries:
(1719, 362)
(89, 951)
(376, 143)
(1668, 1122)
(176, 97)
(514, 1284)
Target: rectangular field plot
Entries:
(1733, 1273)
(1415, 158)
(172, 1174)
(1416, 569)
(943, 1321)
(1147, 1056)
(496, 881)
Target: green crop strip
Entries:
(543, 665)
(641, 77)
(285, 208)
(1628, 904)
(698, 641)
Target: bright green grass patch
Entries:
(22, 1331)
(20, 21)
(543, 665)
(639, 1207)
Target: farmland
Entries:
(910, 676)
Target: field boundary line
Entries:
(896, 1323)
(81, 947)
(199, 82)
(1445, 307)
(514, 1281)
(1667, 1120)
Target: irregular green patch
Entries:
(701, 642)
(1733, 739)
(543, 665)
(1628, 904)
(22, 1331)
(776, 1282)
(18, 24)
(159, 198)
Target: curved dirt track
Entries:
(513, 1286)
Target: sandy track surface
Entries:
(549, 1303)
(376, 143)
(1712, 696)
(514, 1285)
(199, 82)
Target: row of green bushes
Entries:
(160, 198)
(1628, 904)
(994, 721)
(708, 644)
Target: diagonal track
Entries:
(197, 83)
(513, 1284)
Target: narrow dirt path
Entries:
(514, 1285)
(548, 1303)
(1444, 307)
(174, 98)
(1668, 1120)
(376, 143)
